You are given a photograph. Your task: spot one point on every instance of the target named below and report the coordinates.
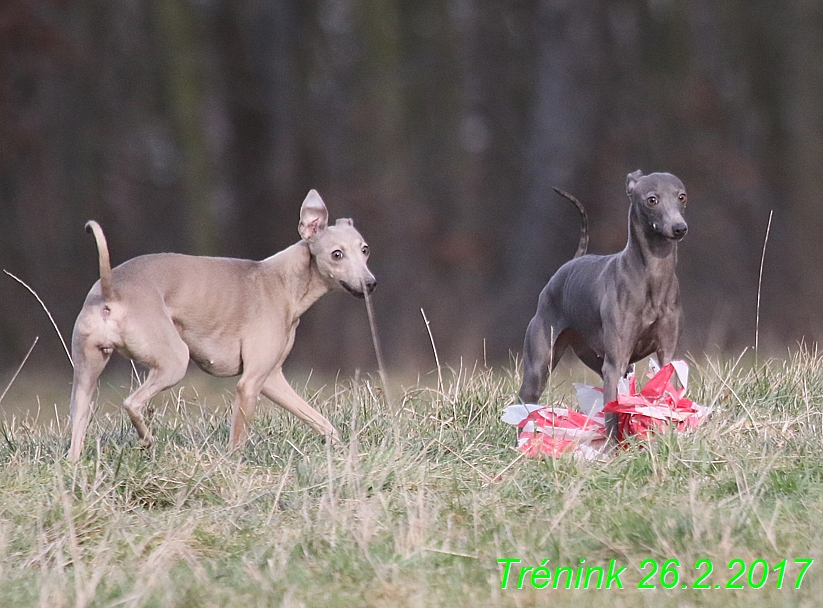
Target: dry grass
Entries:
(417, 506)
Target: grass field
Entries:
(419, 505)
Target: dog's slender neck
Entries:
(296, 268)
(648, 249)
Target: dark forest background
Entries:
(440, 126)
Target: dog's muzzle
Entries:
(679, 231)
(676, 233)
(358, 292)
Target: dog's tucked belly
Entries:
(214, 349)
(221, 360)
(220, 366)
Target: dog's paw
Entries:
(332, 436)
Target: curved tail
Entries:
(583, 244)
(103, 255)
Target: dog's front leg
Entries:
(280, 392)
(245, 402)
(668, 337)
(614, 366)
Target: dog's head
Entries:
(340, 252)
(659, 200)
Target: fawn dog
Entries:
(230, 316)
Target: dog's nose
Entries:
(679, 230)
(370, 284)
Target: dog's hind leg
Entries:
(89, 362)
(542, 350)
(167, 357)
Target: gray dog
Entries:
(613, 310)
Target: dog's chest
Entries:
(660, 303)
(647, 343)
(650, 317)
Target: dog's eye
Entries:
(652, 200)
(682, 198)
(365, 250)
(337, 255)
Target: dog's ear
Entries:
(314, 216)
(632, 179)
(344, 221)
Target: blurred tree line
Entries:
(440, 126)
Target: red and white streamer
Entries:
(659, 405)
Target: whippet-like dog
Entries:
(230, 316)
(613, 310)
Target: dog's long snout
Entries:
(680, 230)
(365, 286)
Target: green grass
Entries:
(418, 505)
